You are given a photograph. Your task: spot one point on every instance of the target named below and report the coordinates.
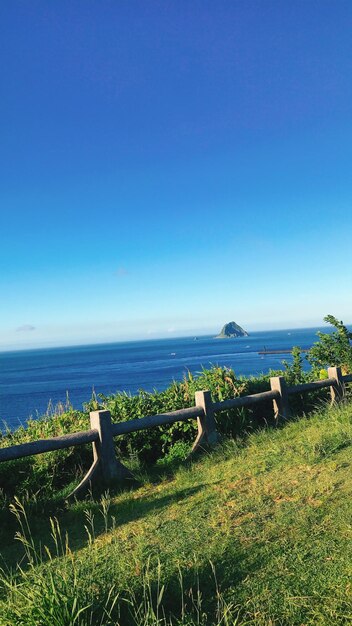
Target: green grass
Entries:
(256, 533)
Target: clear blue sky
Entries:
(167, 166)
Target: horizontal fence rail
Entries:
(48, 445)
(102, 432)
(150, 421)
(318, 384)
(241, 401)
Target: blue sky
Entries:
(170, 166)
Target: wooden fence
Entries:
(108, 468)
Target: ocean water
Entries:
(32, 378)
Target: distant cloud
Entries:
(25, 328)
(121, 271)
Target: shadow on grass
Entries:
(39, 508)
(224, 572)
(81, 515)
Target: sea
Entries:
(33, 381)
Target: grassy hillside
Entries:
(257, 532)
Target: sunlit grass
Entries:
(256, 532)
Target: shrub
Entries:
(332, 348)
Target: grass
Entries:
(256, 533)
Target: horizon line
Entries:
(148, 338)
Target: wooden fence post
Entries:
(103, 449)
(337, 390)
(207, 432)
(281, 405)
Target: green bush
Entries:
(332, 348)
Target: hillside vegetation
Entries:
(257, 532)
(53, 475)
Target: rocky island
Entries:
(231, 329)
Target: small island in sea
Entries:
(231, 329)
